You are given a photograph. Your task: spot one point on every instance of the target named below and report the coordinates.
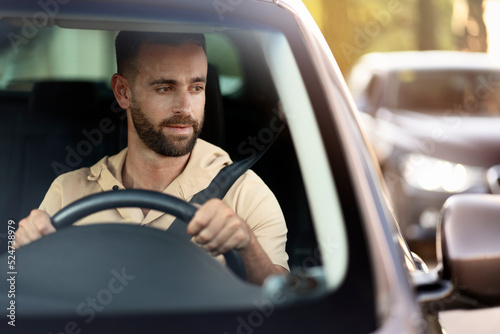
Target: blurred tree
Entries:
(355, 27)
(434, 28)
(427, 25)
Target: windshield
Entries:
(61, 116)
(476, 92)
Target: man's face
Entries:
(168, 97)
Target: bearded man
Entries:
(161, 83)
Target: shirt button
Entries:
(115, 188)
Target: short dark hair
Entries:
(127, 45)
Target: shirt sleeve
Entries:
(254, 202)
(52, 202)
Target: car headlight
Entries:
(424, 172)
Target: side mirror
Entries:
(468, 245)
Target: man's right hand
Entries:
(33, 227)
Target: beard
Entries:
(166, 145)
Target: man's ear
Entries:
(122, 90)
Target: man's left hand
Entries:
(217, 229)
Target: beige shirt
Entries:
(249, 196)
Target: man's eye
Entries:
(164, 89)
(198, 89)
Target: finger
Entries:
(212, 210)
(33, 227)
(210, 232)
(236, 234)
(21, 238)
(216, 231)
(238, 240)
(224, 238)
(218, 228)
(25, 236)
(28, 230)
(43, 224)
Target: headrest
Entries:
(64, 99)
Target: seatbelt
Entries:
(220, 185)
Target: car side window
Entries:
(61, 54)
(224, 56)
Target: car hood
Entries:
(460, 138)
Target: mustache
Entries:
(180, 120)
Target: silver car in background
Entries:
(434, 119)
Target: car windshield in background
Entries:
(441, 91)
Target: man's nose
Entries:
(182, 104)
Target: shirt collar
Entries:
(108, 171)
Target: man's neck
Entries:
(145, 169)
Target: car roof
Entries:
(429, 60)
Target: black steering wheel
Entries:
(121, 269)
(142, 199)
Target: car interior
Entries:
(62, 125)
(54, 123)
